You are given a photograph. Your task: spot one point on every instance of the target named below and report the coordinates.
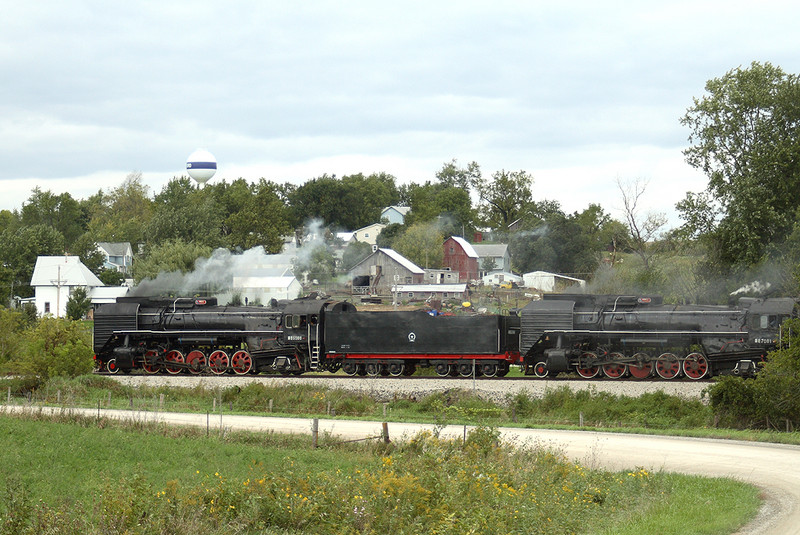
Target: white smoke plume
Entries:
(755, 287)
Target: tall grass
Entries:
(75, 477)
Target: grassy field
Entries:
(81, 475)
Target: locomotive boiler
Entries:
(616, 336)
(197, 335)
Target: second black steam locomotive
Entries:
(611, 336)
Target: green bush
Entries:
(55, 348)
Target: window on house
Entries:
(408, 280)
(47, 307)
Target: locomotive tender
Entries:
(593, 335)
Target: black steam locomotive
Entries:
(617, 336)
(591, 335)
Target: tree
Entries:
(504, 199)
(169, 256)
(60, 212)
(422, 244)
(19, 249)
(261, 219)
(744, 135)
(352, 202)
(78, 303)
(355, 252)
(452, 176)
(643, 228)
(449, 207)
(184, 211)
(122, 215)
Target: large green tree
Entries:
(261, 218)
(60, 212)
(745, 136)
(352, 202)
(505, 198)
(184, 210)
(123, 214)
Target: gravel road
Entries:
(385, 388)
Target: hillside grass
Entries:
(84, 475)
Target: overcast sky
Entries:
(578, 94)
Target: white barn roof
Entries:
(403, 261)
(63, 271)
(468, 249)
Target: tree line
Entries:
(743, 135)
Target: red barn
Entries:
(460, 256)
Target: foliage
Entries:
(550, 240)
(317, 263)
(169, 256)
(354, 253)
(770, 400)
(12, 324)
(184, 211)
(505, 198)
(352, 202)
(422, 244)
(744, 135)
(123, 214)
(111, 277)
(449, 206)
(260, 218)
(54, 347)
(19, 248)
(253, 484)
(78, 303)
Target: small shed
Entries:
(550, 282)
(460, 257)
(496, 278)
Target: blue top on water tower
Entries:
(201, 165)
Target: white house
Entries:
(117, 255)
(54, 278)
(395, 214)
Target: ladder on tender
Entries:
(314, 349)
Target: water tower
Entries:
(201, 166)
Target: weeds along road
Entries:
(773, 467)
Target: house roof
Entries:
(399, 209)
(63, 271)
(371, 226)
(403, 261)
(465, 245)
(115, 248)
(436, 288)
(263, 282)
(490, 249)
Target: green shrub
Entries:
(55, 348)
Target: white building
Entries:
(496, 278)
(549, 282)
(261, 289)
(54, 278)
